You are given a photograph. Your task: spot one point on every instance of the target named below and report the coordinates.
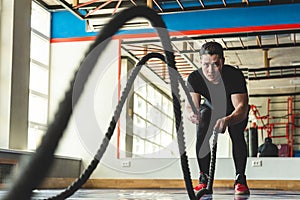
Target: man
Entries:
(223, 88)
(268, 149)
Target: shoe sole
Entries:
(242, 193)
(208, 192)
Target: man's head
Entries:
(268, 140)
(212, 61)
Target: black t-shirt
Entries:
(219, 95)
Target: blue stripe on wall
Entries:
(66, 25)
(234, 17)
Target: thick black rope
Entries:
(212, 167)
(84, 177)
(213, 161)
(41, 161)
(175, 78)
(34, 172)
(92, 166)
(180, 135)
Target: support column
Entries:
(266, 61)
(6, 38)
(18, 126)
(129, 114)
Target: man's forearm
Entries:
(238, 115)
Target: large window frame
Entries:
(153, 133)
(39, 75)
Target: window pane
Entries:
(140, 106)
(154, 115)
(140, 87)
(139, 127)
(168, 125)
(153, 122)
(157, 99)
(150, 94)
(39, 74)
(156, 138)
(148, 148)
(38, 79)
(38, 109)
(39, 49)
(167, 106)
(138, 147)
(152, 130)
(154, 96)
(166, 139)
(35, 134)
(40, 19)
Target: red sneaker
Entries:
(240, 185)
(241, 189)
(200, 186)
(202, 182)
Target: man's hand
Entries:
(221, 125)
(194, 118)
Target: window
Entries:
(39, 75)
(153, 133)
(39, 50)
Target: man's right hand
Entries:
(195, 119)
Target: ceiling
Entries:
(247, 51)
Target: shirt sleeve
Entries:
(238, 85)
(191, 83)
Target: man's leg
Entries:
(239, 148)
(202, 146)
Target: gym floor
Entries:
(164, 194)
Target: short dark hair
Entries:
(268, 139)
(212, 48)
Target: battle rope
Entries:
(211, 174)
(32, 175)
(181, 144)
(86, 174)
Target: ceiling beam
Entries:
(69, 7)
(224, 4)
(254, 47)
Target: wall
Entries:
(81, 140)
(65, 57)
(95, 108)
(63, 167)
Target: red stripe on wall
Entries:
(77, 39)
(247, 29)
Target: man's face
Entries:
(212, 67)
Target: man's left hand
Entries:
(221, 125)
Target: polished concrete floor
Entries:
(164, 194)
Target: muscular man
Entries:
(223, 88)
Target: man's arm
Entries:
(194, 118)
(240, 104)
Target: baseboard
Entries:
(54, 183)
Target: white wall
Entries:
(94, 110)
(83, 136)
